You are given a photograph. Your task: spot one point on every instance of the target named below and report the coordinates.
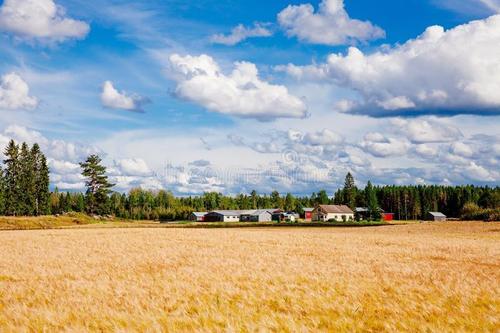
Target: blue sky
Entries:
(239, 95)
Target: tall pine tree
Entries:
(98, 186)
(12, 175)
(41, 181)
(2, 192)
(350, 191)
(27, 188)
(372, 202)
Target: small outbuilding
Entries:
(436, 216)
(260, 215)
(223, 216)
(361, 213)
(307, 216)
(197, 216)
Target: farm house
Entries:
(324, 213)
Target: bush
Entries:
(471, 211)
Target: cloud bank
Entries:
(440, 72)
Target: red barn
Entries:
(388, 216)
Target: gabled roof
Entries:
(336, 209)
(230, 212)
(199, 214)
(437, 214)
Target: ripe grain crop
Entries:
(421, 277)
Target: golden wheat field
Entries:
(435, 277)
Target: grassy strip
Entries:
(44, 222)
(272, 224)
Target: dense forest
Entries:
(24, 181)
(24, 190)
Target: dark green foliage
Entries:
(372, 202)
(350, 191)
(98, 186)
(12, 175)
(2, 191)
(24, 185)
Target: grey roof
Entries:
(361, 209)
(258, 212)
(308, 209)
(437, 214)
(231, 212)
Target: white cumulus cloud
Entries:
(454, 71)
(40, 19)
(427, 130)
(241, 93)
(14, 93)
(330, 25)
(321, 138)
(241, 33)
(114, 99)
(378, 145)
(133, 167)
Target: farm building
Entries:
(223, 216)
(280, 216)
(436, 216)
(326, 213)
(261, 215)
(361, 213)
(307, 216)
(197, 216)
(387, 216)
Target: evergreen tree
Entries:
(27, 185)
(42, 183)
(12, 173)
(2, 192)
(322, 198)
(98, 186)
(350, 191)
(372, 202)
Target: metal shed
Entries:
(436, 216)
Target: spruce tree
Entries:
(371, 202)
(42, 186)
(2, 192)
(40, 181)
(12, 173)
(98, 186)
(27, 187)
(350, 191)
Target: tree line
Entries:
(24, 190)
(406, 202)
